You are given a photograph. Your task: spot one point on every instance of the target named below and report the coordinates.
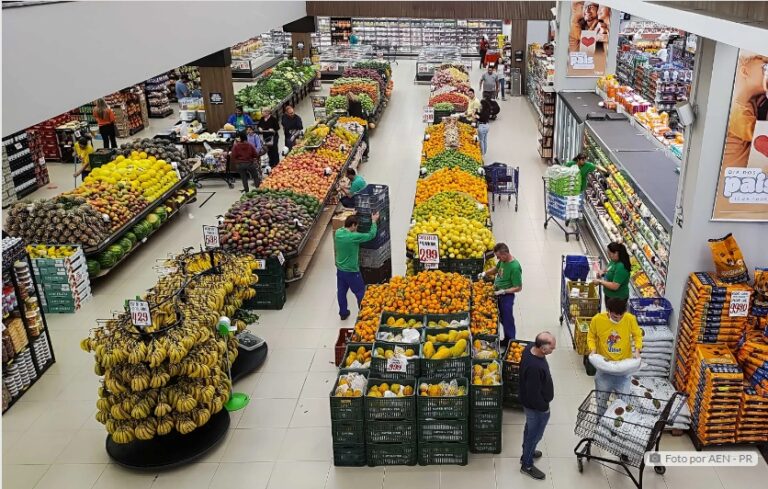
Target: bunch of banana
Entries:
(146, 429)
(164, 425)
(140, 378)
(141, 409)
(123, 433)
(184, 424)
(160, 376)
(157, 352)
(200, 416)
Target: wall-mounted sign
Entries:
(588, 39)
(216, 98)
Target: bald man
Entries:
(536, 392)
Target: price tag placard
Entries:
(429, 115)
(739, 306)
(211, 237)
(280, 258)
(261, 264)
(429, 249)
(397, 364)
(140, 315)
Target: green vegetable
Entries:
(443, 107)
(452, 159)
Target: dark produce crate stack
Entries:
(270, 289)
(375, 255)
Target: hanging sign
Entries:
(739, 306)
(429, 250)
(140, 313)
(211, 237)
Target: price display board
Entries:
(211, 237)
(140, 315)
(429, 250)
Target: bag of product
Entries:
(620, 367)
(760, 304)
(729, 262)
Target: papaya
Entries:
(442, 353)
(459, 348)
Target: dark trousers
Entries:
(248, 169)
(506, 304)
(274, 152)
(348, 202)
(344, 282)
(367, 143)
(108, 135)
(482, 58)
(535, 423)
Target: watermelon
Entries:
(94, 267)
(107, 259)
(129, 235)
(161, 214)
(153, 220)
(140, 230)
(116, 250)
(125, 244)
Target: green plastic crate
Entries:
(454, 407)
(379, 365)
(390, 431)
(347, 431)
(386, 315)
(390, 408)
(266, 299)
(485, 442)
(485, 419)
(443, 454)
(448, 368)
(455, 316)
(349, 454)
(391, 454)
(443, 430)
(347, 408)
(486, 396)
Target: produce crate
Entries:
(390, 408)
(381, 367)
(348, 431)
(349, 454)
(443, 430)
(269, 267)
(580, 332)
(486, 396)
(639, 307)
(511, 369)
(390, 431)
(378, 275)
(491, 339)
(376, 257)
(266, 299)
(382, 239)
(469, 267)
(347, 408)
(101, 156)
(583, 306)
(365, 218)
(443, 454)
(456, 316)
(353, 346)
(373, 198)
(438, 331)
(391, 454)
(341, 343)
(454, 407)
(485, 419)
(395, 330)
(386, 315)
(449, 368)
(485, 441)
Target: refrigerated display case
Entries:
(572, 111)
(431, 57)
(251, 64)
(335, 59)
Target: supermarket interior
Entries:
(334, 244)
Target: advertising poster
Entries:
(588, 39)
(742, 186)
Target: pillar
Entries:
(218, 91)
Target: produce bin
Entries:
(347, 431)
(353, 346)
(485, 419)
(486, 396)
(381, 368)
(443, 430)
(587, 304)
(438, 331)
(510, 369)
(491, 339)
(641, 308)
(456, 316)
(470, 267)
(443, 454)
(390, 408)
(580, 332)
(449, 368)
(266, 299)
(341, 343)
(386, 315)
(485, 442)
(347, 408)
(390, 431)
(349, 454)
(391, 454)
(453, 407)
(396, 330)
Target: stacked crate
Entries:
(511, 372)
(375, 255)
(63, 283)
(348, 423)
(20, 165)
(47, 132)
(390, 424)
(270, 289)
(485, 401)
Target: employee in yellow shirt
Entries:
(83, 150)
(612, 334)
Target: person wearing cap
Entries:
(83, 150)
(240, 119)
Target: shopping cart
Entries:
(561, 208)
(626, 426)
(502, 179)
(577, 272)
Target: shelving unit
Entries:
(541, 93)
(47, 132)
(84, 113)
(128, 111)
(27, 347)
(334, 60)
(341, 29)
(23, 170)
(251, 64)
(156, 91)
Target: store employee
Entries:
(585, 168)
(240, 120)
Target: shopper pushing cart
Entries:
(508, 281)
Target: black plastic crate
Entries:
(510, 367)
(391, 454)
(486, 396)
(485, 442)
(380, 367)
(443, 454)
(365, 218)
(347, 431)
(347, 408)
(374, 258)
(485, 419)
(354, 347)
(492, 340)
(443, 430)
(390, 431)
(455, 316)
(269, 267)
(448, 368)
(470, 267)
(437, 331)
(371, 197)
(453, 407)
(396, 330)
(382, 238)
(390, 408)
(266, 299)
(386, 315)
(378, 275)
(349, 454)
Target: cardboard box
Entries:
(338, 220)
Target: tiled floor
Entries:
(282, 439)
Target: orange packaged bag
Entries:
(729, 262)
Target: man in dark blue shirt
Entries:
(536, 392)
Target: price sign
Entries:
(18, 146)
(261, 264)
(429, 249)
(280, 258)
(429, 115)
(140, 313)
(739, 306)
(211, 237)
(397, 364)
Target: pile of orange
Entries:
(515, 352)
(448, 179)
(485, 314)
(467, 143)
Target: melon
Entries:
(94, 267)
(116, 250)
(129, 235)
(140, 230)
(161, 213)
(125, 244)
(153, 220)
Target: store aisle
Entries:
(282, 439)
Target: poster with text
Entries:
(588, 39)
(742, 186)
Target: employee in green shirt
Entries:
(508, 281)
(356, 184)
(585, 168)
(615, 279)
(347, 243)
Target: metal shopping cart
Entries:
(502, 179)
(562, 208)
(576, 274)
(626, 426)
